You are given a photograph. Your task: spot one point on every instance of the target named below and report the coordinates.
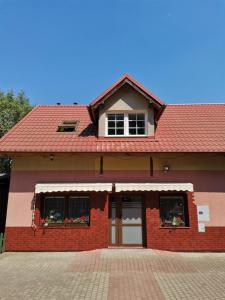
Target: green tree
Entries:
(12, 109)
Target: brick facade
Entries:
(180, 239)
(96, 236)
(63, 239)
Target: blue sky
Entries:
(71, 50)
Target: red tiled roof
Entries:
(181, 128)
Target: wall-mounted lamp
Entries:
(166, 168)
(51, 156)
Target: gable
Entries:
(126, 79)
(126, 98)
(126, 95)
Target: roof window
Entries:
(68, 126)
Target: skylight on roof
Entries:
(68, 126)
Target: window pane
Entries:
(141, 131)
(119, 116)
(140, 124)
(172, 211)
(54, 208)
(132, 116)
(131, 235)
(78, 209)
(111, 117)
(131, 210)
(132, 124)
(111, 124)
(120, 131)
(113, 234)
(111, 131)
(141, 117)
(132, 130)
(119, 124)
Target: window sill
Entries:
(63, 226)
(127, 136)
(174, 227)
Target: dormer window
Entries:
(126, 109)
(126, 124)
(68, 126)
(136, 124)
(115, 124)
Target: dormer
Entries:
(126, 109)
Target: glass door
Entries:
(131, 221)
(126, 221)
(113, 223)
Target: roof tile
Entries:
(181, 128)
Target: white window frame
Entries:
(126, 123)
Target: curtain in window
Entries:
(54, 208)
(173, 211)
(79, 208)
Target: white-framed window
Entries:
(126, 124)
(115, 124)
(136, 124)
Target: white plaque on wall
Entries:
(201, 227)
(203, 213)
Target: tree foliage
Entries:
(5, 163)
(12, 109)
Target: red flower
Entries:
(82, 218)
(42, 221)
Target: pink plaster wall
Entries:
(19, 212)
(207, 185)
(216, 203)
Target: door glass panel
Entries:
(132, 235)
(113, 234)
(126, 220)
(113, 212)
(131, 210)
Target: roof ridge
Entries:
(183, 104)
(60, 105)
(18, 124)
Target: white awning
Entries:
(72, 187)
(122, 187)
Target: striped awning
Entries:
(122, 187)
(72, 187)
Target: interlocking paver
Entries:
(112, 274)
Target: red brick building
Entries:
(127, 170)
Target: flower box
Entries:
(63, 225)
(76, 224)
(53, 225)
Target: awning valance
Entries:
(72, 187)
(122, 187)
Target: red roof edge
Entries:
(132, 80)
(17, 125)
(159, 113)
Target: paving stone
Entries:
(112, 274)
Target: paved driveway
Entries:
(112, 274)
